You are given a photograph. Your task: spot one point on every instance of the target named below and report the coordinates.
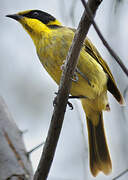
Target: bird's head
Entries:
(36, 21)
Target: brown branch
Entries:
(63, 94)
(111, 51)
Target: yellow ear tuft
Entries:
(56, 22)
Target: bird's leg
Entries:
(75, 76)
(77, 97)
(83, 75)
(74, 97)
(70, 97)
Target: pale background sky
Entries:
(29, 91)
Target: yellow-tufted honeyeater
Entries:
(52, 41)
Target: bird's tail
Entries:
(98, 149)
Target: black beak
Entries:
(17, 17)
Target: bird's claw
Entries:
(70, 105)
(55, 102)
(75, 77)
(70, 97)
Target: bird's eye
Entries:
(35, 13)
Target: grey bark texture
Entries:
(14, 162)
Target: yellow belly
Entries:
(52, 53)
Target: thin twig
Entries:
(63, 94)
(111, 51)
(121, 174)
(35, 148)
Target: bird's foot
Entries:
(84, 76)
(55, 102)
(70, 97)
(75, 77)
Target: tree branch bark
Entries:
(111, 51)
(63, 93)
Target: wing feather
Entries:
(111, 84)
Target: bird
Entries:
(91, 81)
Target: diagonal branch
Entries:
(120, 175)
(111, 51)
(63, 93)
